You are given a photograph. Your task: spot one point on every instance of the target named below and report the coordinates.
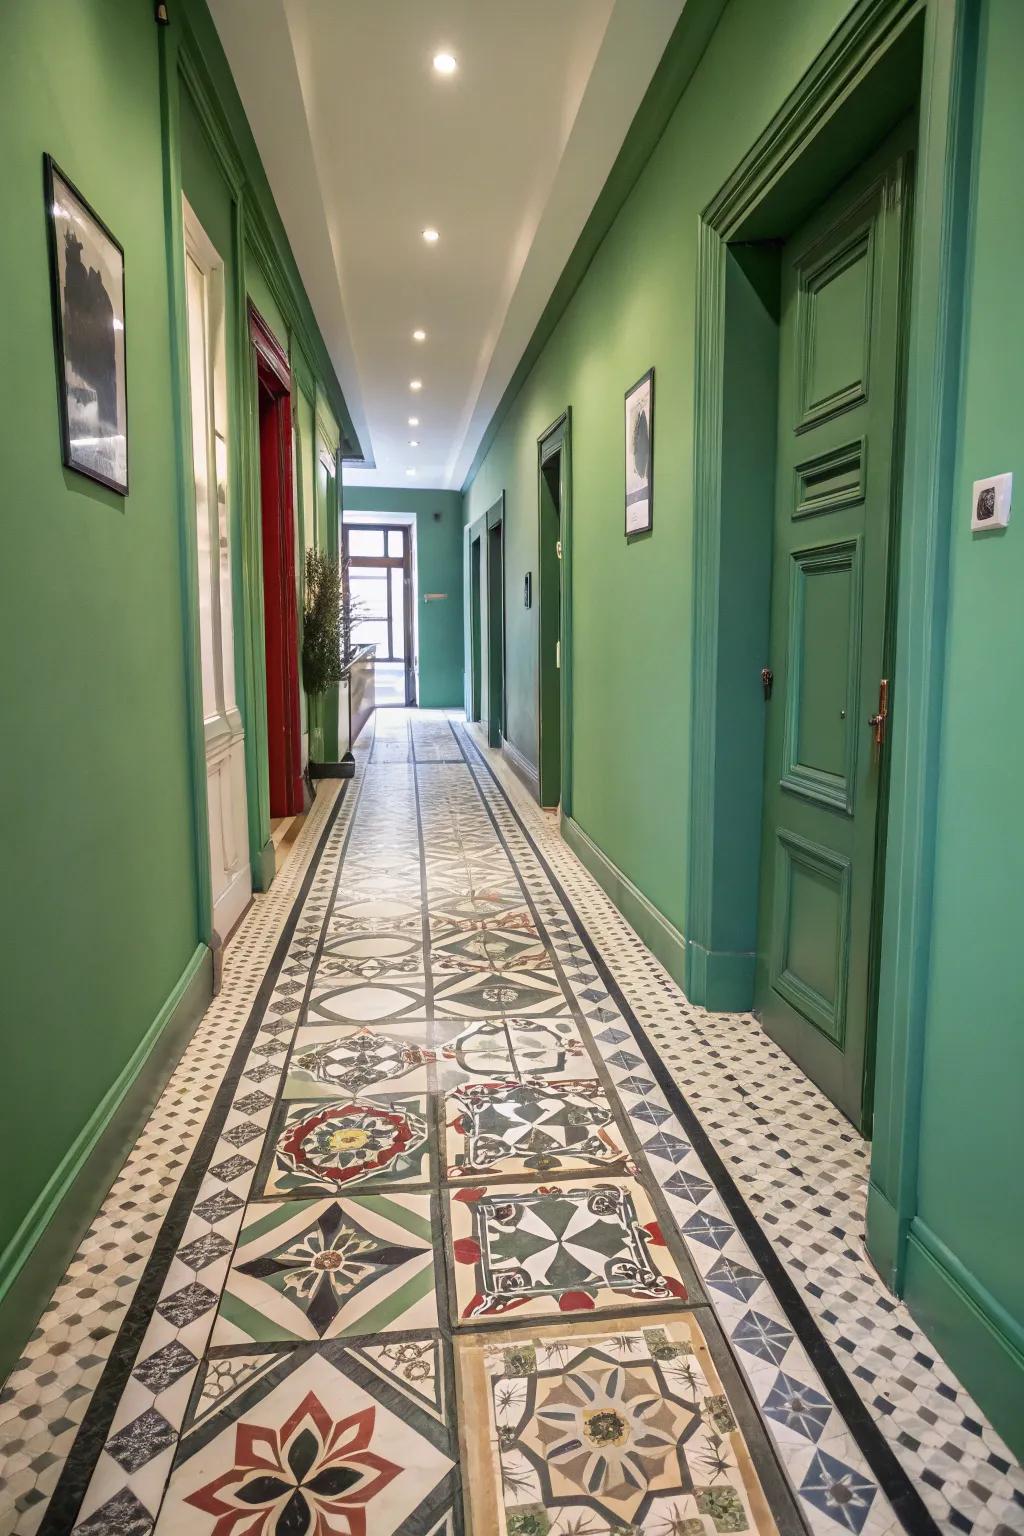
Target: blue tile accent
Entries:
(734, 1279)
(799, 1407)
(688, 1186)
(762, 1336)
(674, 1148)
(838, 1490)
(715, 1231)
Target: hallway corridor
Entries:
(455, 1216)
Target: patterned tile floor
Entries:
(456, 1216)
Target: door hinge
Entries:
(558, 653)
(877, 722)
(767, 682)
(558, 549)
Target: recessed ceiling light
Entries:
(431, 235)
(445, 63)
(414, 421)
(419, 335)
(415, 383)
(410, 471)
(414, 442)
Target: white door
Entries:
(230, 871)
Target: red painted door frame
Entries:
(280, 609)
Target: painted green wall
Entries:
(634, 307)
(631, 603)
(99, 892)
(101, 907)
(439, 561)
(972, 1102)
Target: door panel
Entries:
(842, 276)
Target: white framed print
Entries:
(640, 456)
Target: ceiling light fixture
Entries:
(414, 421)
(415, 384)
(419, 335)
(410, 471)
(445, 63)
(431, 235)
(414, 442)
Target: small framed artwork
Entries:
(640, 455)
(87, 279)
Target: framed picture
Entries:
(87, 277)
(640, 455)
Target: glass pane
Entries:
(372, 632)
(205, 513)
(365, 541)
(369, 592)
(397, 611)
(396, 543)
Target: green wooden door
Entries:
(837, 476)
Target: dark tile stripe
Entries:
(891, 1476)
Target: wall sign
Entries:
(640, 455)
(87, 279)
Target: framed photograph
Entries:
(87, 277)
(640, 455)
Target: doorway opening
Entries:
(224, 735)
(280, 606)
(380, 586)
(552, 627)
(495, 626)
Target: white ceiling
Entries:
(364, 145)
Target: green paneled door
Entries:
(839, 360)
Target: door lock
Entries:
(877, 722)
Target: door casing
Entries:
(554, 620)
(885, 55)
(495, 525)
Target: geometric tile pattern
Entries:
(440, 1142)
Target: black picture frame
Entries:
(638, 488)
(89, 333)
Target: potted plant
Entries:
(328, 618)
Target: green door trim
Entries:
(557, 438)
(872, 29)
(494, 517)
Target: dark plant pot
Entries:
(344, 770)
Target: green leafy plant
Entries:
(322, 623)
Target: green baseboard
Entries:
(264, 867)
(976, 1336)
(521, 767)
(39, 1253)
(653, 927)
(720, 980)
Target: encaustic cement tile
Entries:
(598, 1429)
(355, 1440)
(327, 1145)
(325, 1064)
(558, 1248)
(500, 1047)
(325, 1269)
(532, 1127)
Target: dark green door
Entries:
(839, 359)
(495, 635)
(475, 641)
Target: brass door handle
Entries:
(877, 722)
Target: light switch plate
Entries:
(990, 502)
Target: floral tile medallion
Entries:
(325, 1064)
(324, 1269)
(606, 1431)
(332, 1144)
(535, 1126)
(558, 1248)
(312, 1442)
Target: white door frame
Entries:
(230, 870)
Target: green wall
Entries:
(631, 638)
(99, 914)
(439, 569)
(102, 909)
(631, 603)
(967, 1249)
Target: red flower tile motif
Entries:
(315, 1476)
